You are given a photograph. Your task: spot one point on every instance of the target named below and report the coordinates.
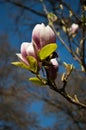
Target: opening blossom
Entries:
(42, 35)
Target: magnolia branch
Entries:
(63, 92)
(70, 99)
(74, 100)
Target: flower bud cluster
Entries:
(41, 36)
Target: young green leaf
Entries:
(20, 64)
(70, 13)
(61, 6)
(38, 81)
(33, 63)
(52, 17)
(69, 68)
(64, 28)
(47, 51)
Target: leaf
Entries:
(70, 13)
(38, 81)
(20, 64)
(52, 16)
(61, 6)
(58, 33)
(63, 77)
(77, 50)
(84, 7)
(76, 98)
(69, 68)
(64, 28)
(47, 51)
(82, 68)
(63, 22)
(33, 63)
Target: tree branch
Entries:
(70, 99)
(64, 44)
(83, 40)
(26, 8)
(69, 8)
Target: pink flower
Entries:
(52, 70)
(42, 35)
(27, 49)
(73, 29)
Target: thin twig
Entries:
(82, 44)
(69, 8)
(26, 7)
(67, 96)
(64, 44)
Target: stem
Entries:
(67, 96)
(64, 44)
(82, 45)
(69, 8)
(62, 91)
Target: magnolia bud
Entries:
(52, 69)
(73, 29)
(42, 35)
(27, 49)
(54, 62)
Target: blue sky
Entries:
(6, 24)
(45, 121)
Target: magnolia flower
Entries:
(27, 49)
(42, 35)
(52, 69)
(73, 29)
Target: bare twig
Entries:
(62, 91)
(70, 99)
(82, 43)
(69, 8)
(64, 44)
(26, 8)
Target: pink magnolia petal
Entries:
(23, 59)
(24, 45)
(50, 34)
(30, 50)
(54, 62)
